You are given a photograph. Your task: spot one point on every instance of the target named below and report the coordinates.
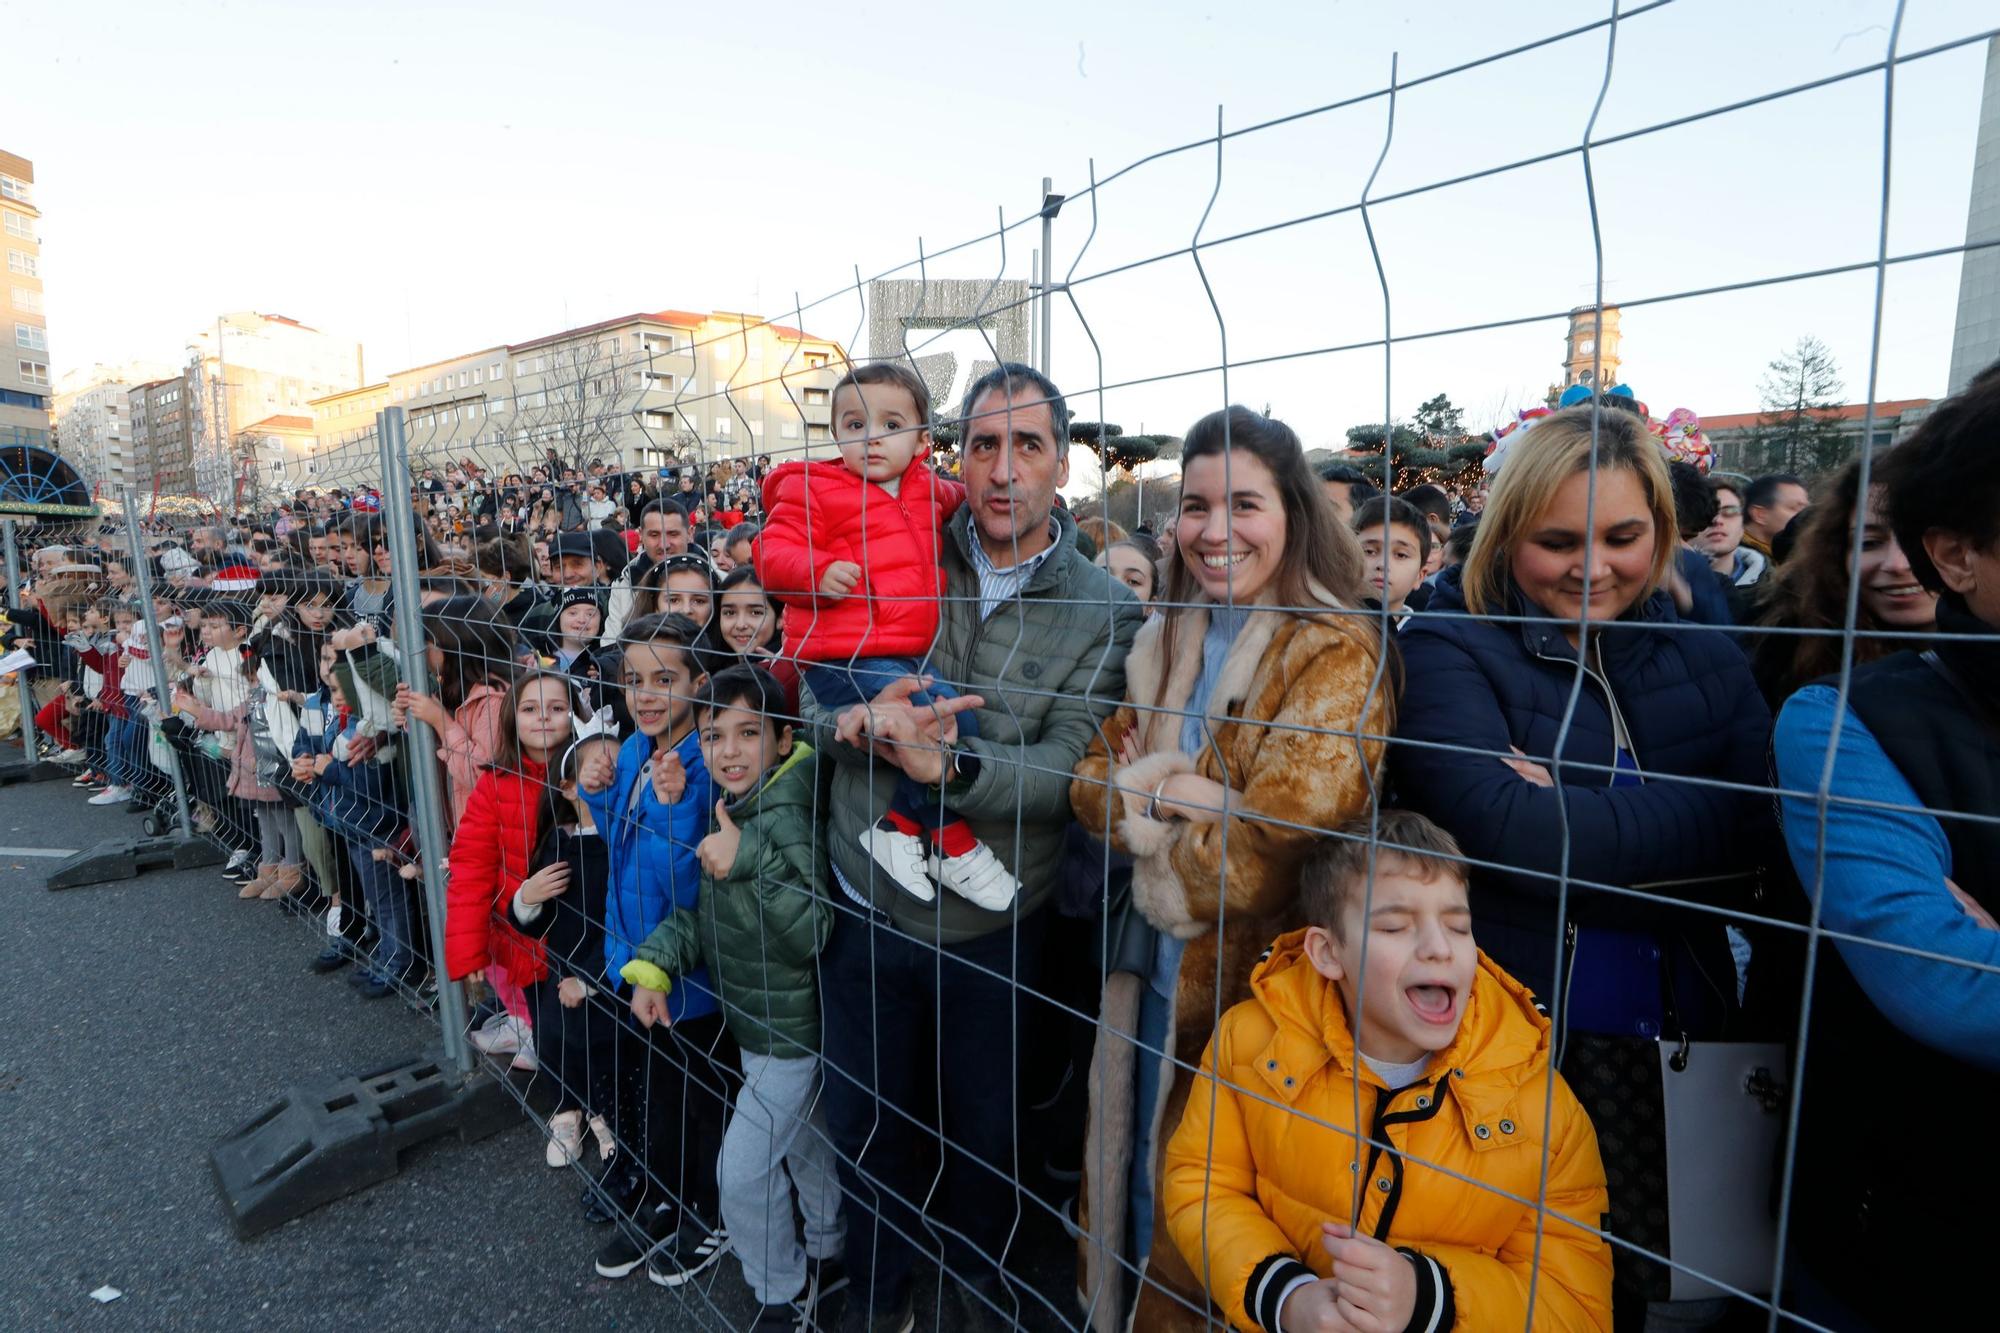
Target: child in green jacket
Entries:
(761, 920)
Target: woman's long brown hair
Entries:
(1320, 556)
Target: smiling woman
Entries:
(1636, 774)
(1250, 704)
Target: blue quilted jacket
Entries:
(1690, 709)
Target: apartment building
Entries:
(637, 391)
(25, 383)
(162, 437)
(246, 369)
(93, 422)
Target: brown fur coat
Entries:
(1284, 713)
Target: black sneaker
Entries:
(689, 1253)
(782, 1318)
(331, 960)
(826, 1294)
(898, 1316)
(612, 1195)
(630, 1246)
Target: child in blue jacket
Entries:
(359, 801)
(652, 807)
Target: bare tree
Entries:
(1798, 430)
(583, 405)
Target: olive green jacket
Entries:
(759, 928)
(1050, 665)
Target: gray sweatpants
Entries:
(779, 1127)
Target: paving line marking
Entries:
(54, 852)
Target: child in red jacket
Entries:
(870, 525)
(492, 848)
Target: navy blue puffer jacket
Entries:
(1690, 709)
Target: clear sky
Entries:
(434, 178)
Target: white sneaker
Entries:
(70, 757)
(500, 1036)
(978, 877)
(237, 860)
(110, 796)
(565, 1138)
(607, 1143)
(524, 1059)
(902, 855)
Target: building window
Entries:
(788, 430)
(817, 397)
(464, 379)
(33, 338)
(818, 434)
(815, 360)
(28, 299)
(34, 372)
(659, 382)
(20, 224)
(497, 371)
(13, 187)
(724, 427)
(23, 263)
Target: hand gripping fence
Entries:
(522, 549)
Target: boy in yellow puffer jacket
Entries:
(1427, 1218)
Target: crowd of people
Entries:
(1313, 906)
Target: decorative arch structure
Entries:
(36, 483)
(898, 305)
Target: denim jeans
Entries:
(838, 685)
(386, 898)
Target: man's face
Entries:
(207, 541)
(1770, 520)
(1725, 532)
(1014, 465)
(673, 528)
(1341, 495)
(577, 571)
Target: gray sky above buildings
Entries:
(436, 178)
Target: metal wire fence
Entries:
(999, 976)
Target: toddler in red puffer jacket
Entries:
(851, 550)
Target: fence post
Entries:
(427, 796)
(31, 748)
(142, 576)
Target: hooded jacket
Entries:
(654, 870)
(819, 513)
(1253, 1170)
(759, 928)
(490, 856)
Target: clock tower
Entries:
(1590, 351)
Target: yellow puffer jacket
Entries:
(1285, 1160)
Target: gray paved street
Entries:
(143, 1019)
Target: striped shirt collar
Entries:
(1000, 585)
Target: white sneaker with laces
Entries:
(110, 796)
(607, 1142)
(237, 860)
(70, 757)
(902, 855)
(979, 878)
(565, 1138)
(524, 1059)
(500, 1036)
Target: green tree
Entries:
(1440, 422)
(1798, 429)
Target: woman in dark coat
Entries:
(1612, 778)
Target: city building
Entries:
(248, 368)
(1733, 436)
(162, 439)
(641, 390)
(1975, 342)
(25, 383)
(93, 422)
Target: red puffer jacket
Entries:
(819, 512)
(489, 859)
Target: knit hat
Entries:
(176, 563)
